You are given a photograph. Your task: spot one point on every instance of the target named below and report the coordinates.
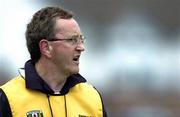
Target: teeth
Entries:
(76, 58)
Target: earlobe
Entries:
(45, 48)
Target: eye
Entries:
(74, 40)
(70, 40)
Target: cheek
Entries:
(61, 55)
(62, 52)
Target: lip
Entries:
(76, 62)
(76, 59)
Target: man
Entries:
(50, 85)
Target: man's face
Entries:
(64, 54)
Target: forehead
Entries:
(67, 27)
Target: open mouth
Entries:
(76, 58)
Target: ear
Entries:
(45, 48)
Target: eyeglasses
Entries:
(73, 40)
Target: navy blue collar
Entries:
(35, 82)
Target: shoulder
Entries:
(13, 84)
(86, 90)
(85, 87)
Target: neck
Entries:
(51, 75)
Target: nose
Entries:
(80, 47)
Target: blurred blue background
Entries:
(132, 50)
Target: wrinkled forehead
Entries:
(67, 28)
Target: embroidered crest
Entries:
(34, 113)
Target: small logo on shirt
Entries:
(35, 113)
(84, 116)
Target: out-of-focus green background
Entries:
(132, 50)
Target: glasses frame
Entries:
(74, 40)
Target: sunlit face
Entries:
(64, 54)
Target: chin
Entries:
(75, 70)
